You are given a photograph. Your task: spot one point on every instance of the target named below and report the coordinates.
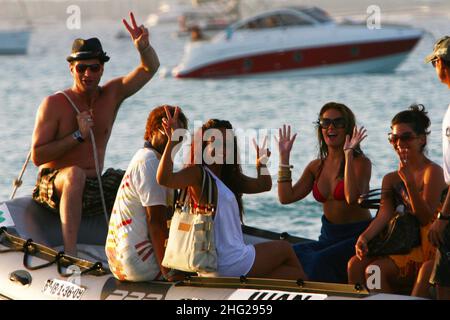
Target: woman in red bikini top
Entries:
(339, 175)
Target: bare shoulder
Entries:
(113, 85)
(314, 166)
(433, 171)
(391, 178)
(51, 105)
(113, 89)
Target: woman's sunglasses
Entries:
(433, 63)
(405, 137)
(338, 123)
(81, 68)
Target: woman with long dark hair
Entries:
(336, 179)
(218, 157)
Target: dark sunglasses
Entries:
(405, 137)
(81, 68)
(338, 123)
(433, 63)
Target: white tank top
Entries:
(234, 257)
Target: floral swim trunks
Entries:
(44, 192)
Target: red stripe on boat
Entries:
(301, 58)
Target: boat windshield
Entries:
(317, 14)
(274, 21)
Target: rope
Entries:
(97, 165)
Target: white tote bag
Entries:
(190, 246)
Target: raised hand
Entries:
(285, 141)
(355, 140)
(170, 124)
(139, 35)
(262, 154)
(404, 170)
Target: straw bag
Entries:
(190, 246)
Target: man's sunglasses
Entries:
(405, 137)
(81, 68)
(338, 123)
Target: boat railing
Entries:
(331, 289)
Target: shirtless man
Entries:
(62, 146)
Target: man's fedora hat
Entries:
(87, 49)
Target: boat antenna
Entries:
(18, 181)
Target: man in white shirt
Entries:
(440, 230)
(138, 226)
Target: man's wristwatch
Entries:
(77, 136)
(440, 216)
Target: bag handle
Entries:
(183, 194)
(211, 196)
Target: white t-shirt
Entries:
(128, 246)
(446, 145)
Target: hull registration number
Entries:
(63, 290)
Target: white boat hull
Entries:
(309, 50)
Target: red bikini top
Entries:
(338, 194)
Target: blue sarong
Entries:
(326, 260)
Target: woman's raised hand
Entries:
(170, 124)
(285, 141)
(404, 170)
(262, 154)
(355, 140)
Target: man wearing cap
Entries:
(440, 230)
(72, 130)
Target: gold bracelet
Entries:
(284, 176)
(284, 180)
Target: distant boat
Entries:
(301, 40)
(14, 41)
(208, 15)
